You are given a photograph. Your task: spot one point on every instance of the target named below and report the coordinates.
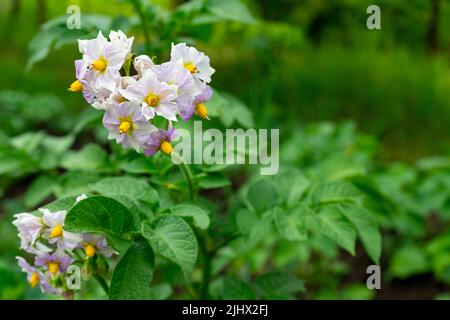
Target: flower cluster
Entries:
(132, 101)
(55, 249)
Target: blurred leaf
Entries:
(336, 227)
(214, 181)
(90, 157)
(367, 229)
(233, 10)
(292, 225)
(277, 285)
(262, 195)
(408, 261)
(39, 190)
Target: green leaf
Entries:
(291, 186)
(235, 289)
(171, 237)
(200, 217)
(91, 157)
(408, 261)
(233, 10)
(262, 195)
(367, 229)
(334, 225)
(292, 225)
(64, 203)
(277, 285)
(335, 192)
(99, 214)
(214, 181)
(39, 190)
(133, 274)
(133, 188)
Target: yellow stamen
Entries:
(152, 100)
(53, 267)
(201, 110)
(125, 127)
(120, 99)
(76, 86)
(99, 65)
(190, 67)
(34, 279)
(166, 147)
(56, 231)
(90, 250)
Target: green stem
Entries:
(206, 276)
(187, 175)
(102, 283)
(138, 8)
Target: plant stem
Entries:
(187, 175)
(138, 8)
(103, 283)
(206, 267)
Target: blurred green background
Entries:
(293, 63)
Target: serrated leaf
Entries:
(291, 186)
(171, 237)
(335, 192)
(133, 274)
(367, 229)
(199, 216)
(99, 214)
(291, 225)
(334, 225)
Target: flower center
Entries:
(56, 231)
(190, 67)
(90, 250)
(76, 86)
(152, 100)
(53, 267)
(34, 279)
(166, 147)
(99, 65)
(201, 110)
(125, 127)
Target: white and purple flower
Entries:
(55, 263)
(55, 230)
(196, 62)
(155, 97)
(160, 140)
(127, 125)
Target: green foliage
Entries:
(133, 274)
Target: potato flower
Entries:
(127, 125)
(155, 97)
